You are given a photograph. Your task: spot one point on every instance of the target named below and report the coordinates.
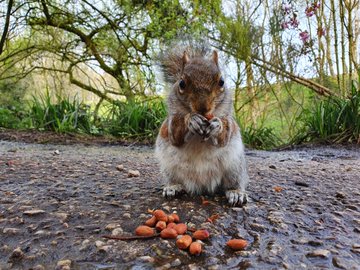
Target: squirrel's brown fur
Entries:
(199, 145)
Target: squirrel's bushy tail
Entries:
(171, 60)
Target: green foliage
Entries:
(135, 120)
(334, 120)
(260, 138)
(64, 115)
(14, 117)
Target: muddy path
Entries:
(57, 202)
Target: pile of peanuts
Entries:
(170, 227)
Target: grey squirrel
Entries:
(199, 145)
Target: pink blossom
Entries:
(286, 7)
(304, 36)
(309, 11)
(294, 22)
(284, 25)
(316, 5)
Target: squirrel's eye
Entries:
(221, 82)
(182, 86)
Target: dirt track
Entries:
(310, 221)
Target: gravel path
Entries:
(58, 201)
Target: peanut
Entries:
(144, 231)
(160, 225)
(195, 248)
(168, 234)
(201, 234)
(180, 228)
(151, 221)
(184, 242)
(237, 244)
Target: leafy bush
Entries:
(140, 120)
(65, 115)
(333, 120)
(14, 117)
(260, 138)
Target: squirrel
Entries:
(199, 145)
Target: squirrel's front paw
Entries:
(236, 197)
(197, 124)
(172, 190)
(214, 128)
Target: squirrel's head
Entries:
(201, 85)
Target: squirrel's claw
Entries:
(236, 197)
(197, 124)
(172, 190)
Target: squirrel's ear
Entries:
(185, 59)
(215, 57)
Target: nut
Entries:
(195, 248)
(175, 217)
(171, 225)
(160, 225)
(168, 234)
(144, 231)
(160, 215)
(184, 242)
(180, 228)
(151, 221)
(237, 244)
(209, 116)
(201, 234)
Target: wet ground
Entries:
(57, 202)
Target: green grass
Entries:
(63, 115)
(308, 119)
(333, 120)
(139, 120)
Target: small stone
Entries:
(57, 152)
(11, 231)
(127, 215)
(272, 167)
(34, 212)
(126, 207)
(62, 216)
(176, 263)
(120, 167)
(38, 267)
(63, 265)
(117, 231)
(17, 254)
(99, 244)
(146, 259)
(133, 173)
(111, 226)
(323, 253)
(106, 248)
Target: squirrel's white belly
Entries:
(198, 165)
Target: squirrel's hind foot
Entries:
(236, 197)
(172, 190)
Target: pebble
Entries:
(127, 215)
(323, 253)
(133, 173)
(99, 243)
(11, 231)
(117, 231)
(120, 167)
(17, 254)
(34, 212)
(63, 265)
(146, 259)
(111, 226)
(38, 267)
(176, 263)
